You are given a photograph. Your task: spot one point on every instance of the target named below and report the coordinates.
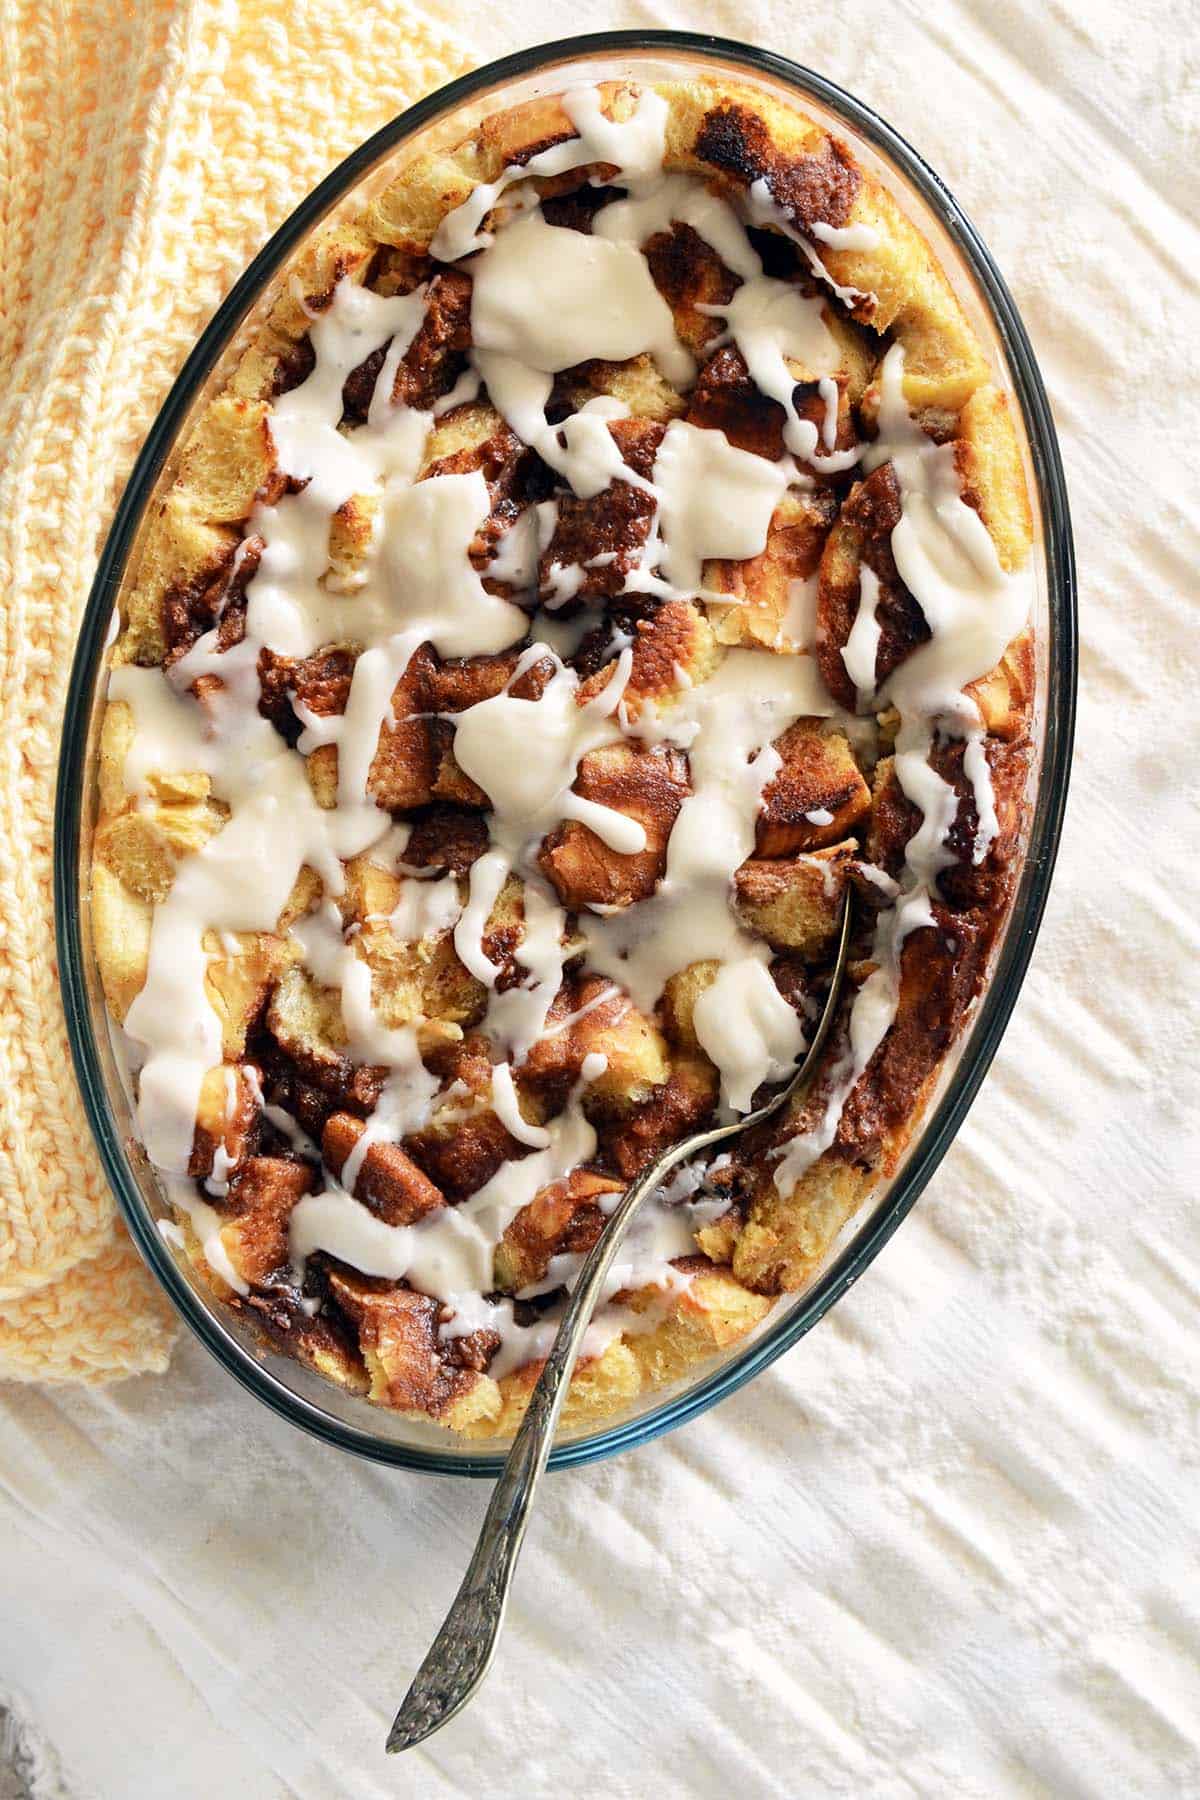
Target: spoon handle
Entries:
(462, 1651)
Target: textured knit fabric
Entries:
(147, 149)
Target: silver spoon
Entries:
(461, 1654)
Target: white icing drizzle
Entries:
(549, 298)
(846, 237)
(691, 466)
(862, 646)
(748, 1029)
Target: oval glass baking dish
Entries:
(290, 1389)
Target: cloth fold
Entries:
(147, 150)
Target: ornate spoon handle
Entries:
(462, 1652)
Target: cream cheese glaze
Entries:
(546, 299)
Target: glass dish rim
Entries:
(986, 1028)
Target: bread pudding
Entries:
(611, 548)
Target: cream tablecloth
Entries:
(948, 1546)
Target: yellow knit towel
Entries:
(147, 149)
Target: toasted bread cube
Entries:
(433, 360)
(405, 766)
(1005, 696)
(600, 1385)
(398, 1337)
(565, 1217)
(230, 460)
(305, 1019)
(637, 384)
(819, 777)
(612, 1026)
(181, 552)
(405, 771)
(322, 1342)
(457, 441)
(121, 924)
(464, 1142)
(322, 771)
(454, 786)
(408, 212)
(672, 650)
(371, 892)
(449, 838)
(647, 785)
(265, 1192)
(637, 1062)
(941, 972)
(964, 883)
(602, 536)
(473, 438)
(351, 537)
(237, 983)
(144, 845)
(988, 461)
(858, 351)
(689, 274)
(463, 681)
(505, 931)
(761, 612)
(782, 1242)
(341, 251)
(679, 999)
(680, 1106)
(388, 1181)
(227, 1117)
(712, 1312)
(306, 892)
(412, 982)
(795, 903)
(117, 731)
(726, 398)
(863, 536)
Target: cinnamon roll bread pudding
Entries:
(610, 548)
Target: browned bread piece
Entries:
(388, 1181)
(965, 883)
(592, 1015)
(761, 611)
(464, 1142)
(690, 275)
(794, 902)
(682, 1104)
(862, 535)
(600, 538)
(819, 777)
(566, 1216)
(263, 1195)
(672, 650)
(408, 1367)
(647, 785)
(726, 399)
(227, 1118)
